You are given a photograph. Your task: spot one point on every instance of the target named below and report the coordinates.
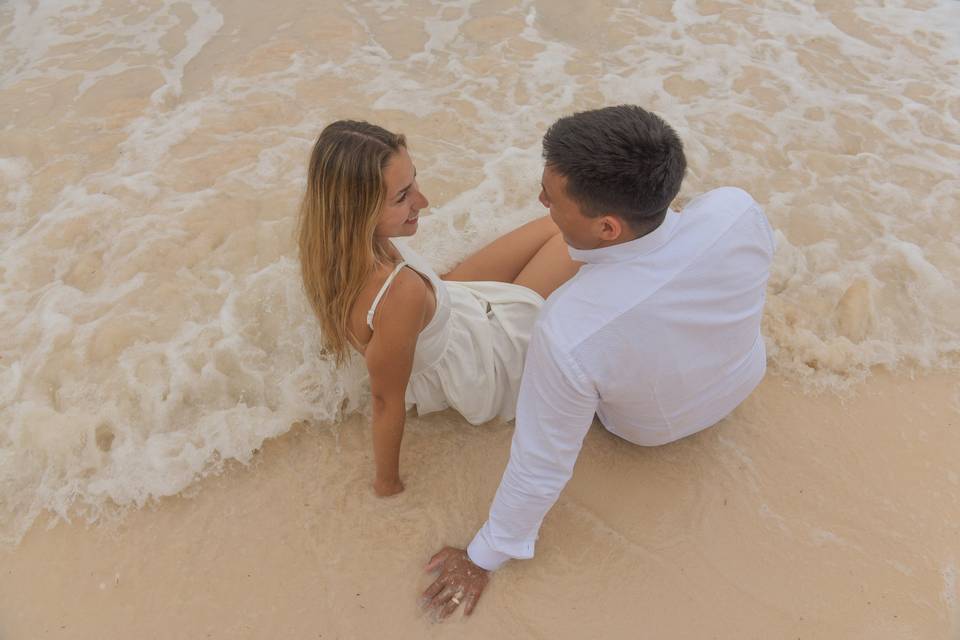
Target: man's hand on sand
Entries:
(459, 581)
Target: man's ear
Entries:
(610, 228)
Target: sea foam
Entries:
(152, 323)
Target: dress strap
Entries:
(383, 290)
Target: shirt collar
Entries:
(632, 249)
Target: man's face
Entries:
(579, 231)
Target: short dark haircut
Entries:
(622, 160)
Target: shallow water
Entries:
(152, 157)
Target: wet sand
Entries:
(798, 516)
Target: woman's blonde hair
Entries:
(338, 215)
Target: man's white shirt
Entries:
(659, 337)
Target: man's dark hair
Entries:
(622, 160)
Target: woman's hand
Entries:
(385, 488)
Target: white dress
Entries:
(470, 356)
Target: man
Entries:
(658, 334)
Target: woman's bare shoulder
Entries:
(407, 293)
(407, 290)
(405, 283)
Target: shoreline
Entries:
(774, 523)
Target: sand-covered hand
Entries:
(460, 581)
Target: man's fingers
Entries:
(441, 598)
(459, 582)
(433, 589)
(449, 608)
(470, 602)
(438, 559)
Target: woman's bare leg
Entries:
(549, 268)
(503, 259)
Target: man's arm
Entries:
(554, 412)
(556, 407)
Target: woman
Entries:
(456, 340)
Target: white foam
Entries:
(153, 325)
(207, 24)
(16, 190)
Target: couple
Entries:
(613, 305)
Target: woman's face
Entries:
(403, 200)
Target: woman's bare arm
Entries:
(389, 358)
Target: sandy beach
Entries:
(779, 522)
(179, 460)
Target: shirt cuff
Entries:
(485, 556)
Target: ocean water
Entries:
(152, 156)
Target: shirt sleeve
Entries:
(555, 408)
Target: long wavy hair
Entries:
(338, 215)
